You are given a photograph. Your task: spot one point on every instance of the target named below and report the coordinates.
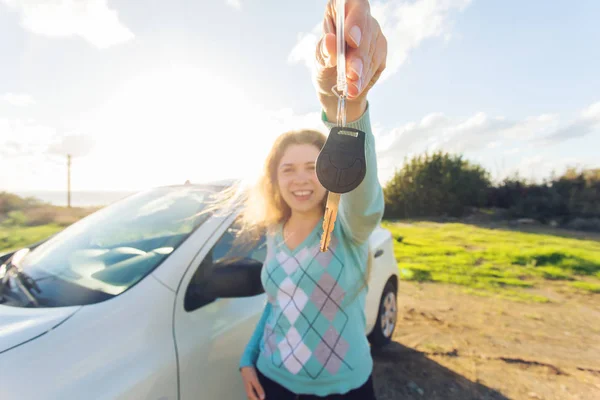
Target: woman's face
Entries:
(297, 178)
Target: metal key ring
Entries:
(341, 109)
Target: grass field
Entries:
(19, 236)
(495, 261)
(484, 261)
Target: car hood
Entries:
(19, 325)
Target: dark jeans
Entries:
(274, 391)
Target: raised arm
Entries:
(360, 210)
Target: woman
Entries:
(310, 341)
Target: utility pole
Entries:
(68, 180)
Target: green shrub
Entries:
(433, 185)
(15, 218)
(572, 199)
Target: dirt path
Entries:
(450, 345)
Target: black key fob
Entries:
(341, 164)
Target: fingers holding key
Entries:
(357, 12)
(366, 49)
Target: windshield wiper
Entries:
(22, 280)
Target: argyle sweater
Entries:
(311, 337)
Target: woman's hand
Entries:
(366, 55)
(254, 390)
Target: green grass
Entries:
(587, 286)
(15, 237)
(493, 261)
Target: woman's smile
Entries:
(302, 195)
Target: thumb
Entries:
(326, 52)
(258, 389)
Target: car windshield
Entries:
(111, 250)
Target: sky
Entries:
(158, 94)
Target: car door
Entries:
(211, 334)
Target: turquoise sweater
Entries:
(311, 337)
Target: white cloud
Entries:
(23, 159)
(237, 4)
(592, 113)
(494, 139)
(26, 138)
(76, 145)
(406, 24)
(479, 131)
(304, 50)
(541, 166)
(587, 122)
(32, 155)
(91, 20)
(21, 138)
(17, 99)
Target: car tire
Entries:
(387, 317)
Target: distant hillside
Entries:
(30, 211)
(79, 198)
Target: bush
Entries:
(584, 224)
(573, 199)
(436, 185)
(10, 202)
(62, 216)
(580, 191)
(14, 218)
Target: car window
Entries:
(228, 248)
(105, 254)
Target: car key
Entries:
(341, 167)
(341, 164)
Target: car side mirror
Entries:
(234, 278)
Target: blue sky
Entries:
(157, 94)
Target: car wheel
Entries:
(386, 320)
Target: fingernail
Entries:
(357, 66)
(355, 34)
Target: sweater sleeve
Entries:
(361, 210)
(252, 350)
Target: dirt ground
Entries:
(451, 345)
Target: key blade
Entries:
(331, 210)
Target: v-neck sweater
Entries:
(311, 336)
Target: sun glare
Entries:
(173, 124)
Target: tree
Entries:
(437, 184)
